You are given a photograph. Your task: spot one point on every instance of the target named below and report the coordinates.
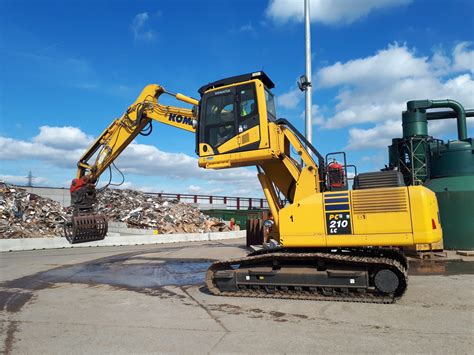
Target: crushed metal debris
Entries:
(26, 215)
(140, 210)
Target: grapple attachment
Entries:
(85, 228)
(85, 225)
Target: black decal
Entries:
(338, 223)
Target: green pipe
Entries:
(416, 105)
(441, 115)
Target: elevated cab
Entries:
(233, 121)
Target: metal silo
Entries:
(445, 167)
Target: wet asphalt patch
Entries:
(440, 267)
(140, 272)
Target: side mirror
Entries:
(268, 223)
(195, 111)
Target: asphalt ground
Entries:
(151, 299)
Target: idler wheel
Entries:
(386, 281)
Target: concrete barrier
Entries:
(115, 239)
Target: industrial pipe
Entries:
(441, 115)
(414, 106)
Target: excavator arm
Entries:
(86, 225)
(122, 131)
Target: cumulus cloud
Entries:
(140, 28)
(463, 57)
(137, 159)
(290, 99)
(193, 189)
(23, 180)
(394, 62)
(329, 12)
(63, 137)
(374, 137)
(248, 28)
(375, 89)
(317, 118)
(15, 149)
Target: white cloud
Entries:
(463, 57)
(23, 180)
(193, 189)
(140, 29)
(329, 12)
(138, 159)
(290, 99)
(375, 137)
(375, 90)
(395, 62)
(63, 137)
(14, 150)
(245, 28)
(317, 118)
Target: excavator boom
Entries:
(86, 225)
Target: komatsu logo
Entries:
(180, 119)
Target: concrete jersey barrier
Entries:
(115, 239)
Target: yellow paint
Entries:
(402, 216)
(121, 132)
(303, 223)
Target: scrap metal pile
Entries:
(140, 210)
(26, 215)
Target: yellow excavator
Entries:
(329, 242)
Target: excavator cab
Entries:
(233, 119)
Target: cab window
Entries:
(247, 102)
(270, 100)
(248, 110)
(220, 121)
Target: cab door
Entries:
(229, 120)
(248, 119)
(217, 122)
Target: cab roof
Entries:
(237, 79)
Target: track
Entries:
(370, 258)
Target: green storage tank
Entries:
(447, 168)
(452, 178)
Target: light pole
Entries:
(304, 83)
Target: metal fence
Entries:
(239, 203)
(61, 194)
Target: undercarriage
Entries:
(373, 275)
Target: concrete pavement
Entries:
(149, 299)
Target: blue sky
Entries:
(69, 67)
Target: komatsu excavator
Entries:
(332, 242)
